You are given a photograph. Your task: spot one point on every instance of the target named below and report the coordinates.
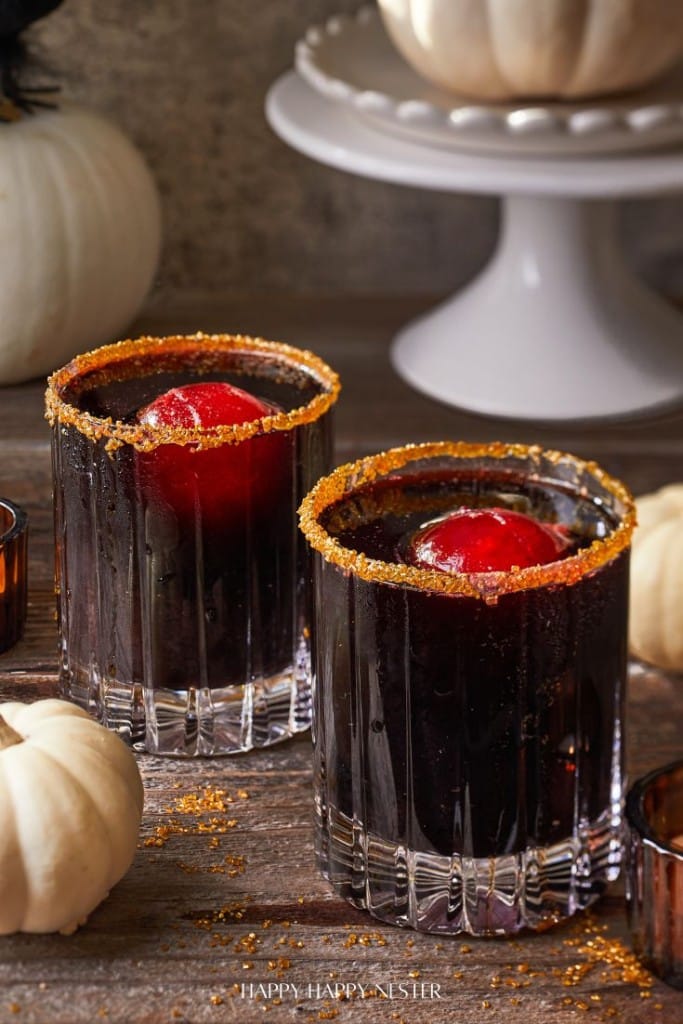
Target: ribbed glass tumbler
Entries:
(468, 727)
(181, 577)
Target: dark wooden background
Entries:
(201, 913)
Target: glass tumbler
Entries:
(181, 576)
(468, 727)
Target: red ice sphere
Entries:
(485, 540)
(213, 486)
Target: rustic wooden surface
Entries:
(187, 927)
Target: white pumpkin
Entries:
(70, 807)
(80, 228)
(656, 613)
(503, 49)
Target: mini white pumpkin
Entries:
(70, 808)
(80, 226)
(656, 613)
(504, 49)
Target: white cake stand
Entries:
(555, 327)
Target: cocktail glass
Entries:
(181, 578)
(468, 728)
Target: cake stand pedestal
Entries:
(555, 327)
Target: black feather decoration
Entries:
(15, 17)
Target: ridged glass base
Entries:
(479, 896)
(116, 704)
(226, 721)
(198, 722)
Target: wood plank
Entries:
(377, 408)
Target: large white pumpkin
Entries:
(656, 613)
(80, 229)
(70, 807)
(503, 49)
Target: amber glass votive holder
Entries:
(654, 879)
(13, 572)
(181, 576)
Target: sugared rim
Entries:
(124, 359)
(635, 808)
(488, 586)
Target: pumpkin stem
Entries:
(9, 737)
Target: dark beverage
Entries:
(468, 734)
(183, 605)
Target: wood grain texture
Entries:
(185, 929)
